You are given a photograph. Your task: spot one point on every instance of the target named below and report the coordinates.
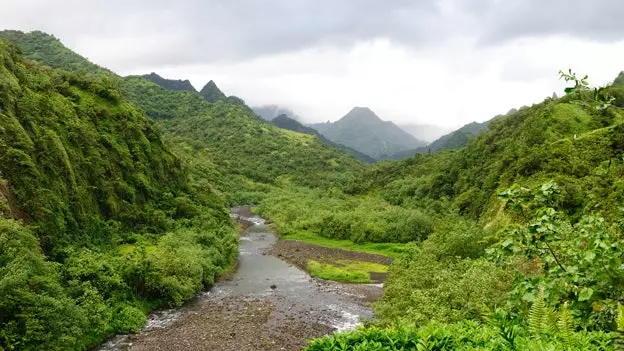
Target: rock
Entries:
(273, 286)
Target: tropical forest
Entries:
(140, 213)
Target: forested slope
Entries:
(238, 144)
(100, 221)
(220, 135)
(528, 230)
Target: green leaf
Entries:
(529, 296)
(585, 294)
(589, 256)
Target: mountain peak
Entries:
(361, 114)
(211, 92)
(170, 84)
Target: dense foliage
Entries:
(99, 219)
(243, 147)
(513, 242)
(286, 122)
(43, 47)
(545, 185)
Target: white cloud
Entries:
(444, 62)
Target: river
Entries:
(268, 304)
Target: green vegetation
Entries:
(393, 250)
(286, 122)
(545, 254)
(512, 242)
(249, 153)
(43, 47)
(466, 335)
(84, 173)
(170, 84)
(347, 271)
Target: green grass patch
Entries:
(347, 271)
(393, 250)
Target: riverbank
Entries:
(265, 304)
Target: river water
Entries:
(261, 276)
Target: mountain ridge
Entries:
(171, 84)
(361, 129)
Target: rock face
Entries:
(361, 129)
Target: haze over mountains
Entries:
(363, 130)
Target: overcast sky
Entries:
(444, 62)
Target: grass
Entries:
(347, 271)
(393, 250)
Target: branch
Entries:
(555, 256)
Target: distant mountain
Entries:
(170, 84)
(269, 112)
(361, 129)
(454, 140)
(286, 122)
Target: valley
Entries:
(265, 303)
(140, 213)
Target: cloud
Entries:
(445, 62)
(597, 20)
(192, 31)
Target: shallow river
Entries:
(261, 276)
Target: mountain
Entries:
(245, 152)
(452, 141)
(286, 122)
(426, 132)
(99, 218)
(170, 84)
(212, 93)
(40, 46)
(269, 112)
(361, 129)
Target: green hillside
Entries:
(240, 152)
(99, 220)
(510, 242)
(286, 122)
(240, 145)
(528, 214)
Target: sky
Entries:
(440, 62)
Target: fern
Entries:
(537, 315)
(565, 325)
(619, 339)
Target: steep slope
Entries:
(452, 141)
(228, 142)
(556, 139)
(239, 144)
(46, 48)
(212, 93)
(99, 220)
(170, 84)
(364, 131)
(286, 122)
